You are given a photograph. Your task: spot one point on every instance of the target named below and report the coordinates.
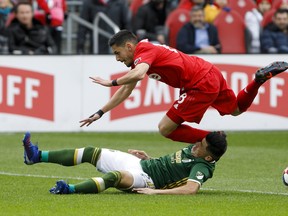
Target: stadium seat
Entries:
(232, 32)
(185, 4)
(242, 6)
(277, 3)
(267, 18)
(174, 22)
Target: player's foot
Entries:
(31, 152)
(266, 73)
(61, 187)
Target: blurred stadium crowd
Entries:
(192, 26)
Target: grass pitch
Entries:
(247, 180)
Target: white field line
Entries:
(81, 178)
(247, 191)
(40, 176)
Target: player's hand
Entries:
(140, 154)
(148, 191)
(89, 120)
(103, 82)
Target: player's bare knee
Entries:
(164, 130)
(126, 180)
(161, 129)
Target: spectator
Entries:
(116, 10)
(197, 36)
(211, 7)
(27, 35)
(149, 21)
(55, 12)
(267, 18)
(253, 20)
(274, 38)
(5, 9)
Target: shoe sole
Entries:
(270, 71)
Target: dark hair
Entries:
(197, 8)
(22, 3)
(217, 144)
(280, 11)
(123, 36)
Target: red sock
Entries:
(247, 95)
(185, 133)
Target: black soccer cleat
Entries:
(266, 73)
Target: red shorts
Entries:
(212, 90)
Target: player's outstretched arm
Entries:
(134, 75)
(120, 95)
(189, 189)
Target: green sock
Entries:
(71, 157)
(98, 184)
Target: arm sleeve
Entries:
(184, 42)
(267, 43)
(44, 6)
(50, 44)
(200, 173)
(12, 43)
(214, 38)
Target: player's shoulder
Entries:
(145, 44)
(144, 47)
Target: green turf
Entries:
(247, 180)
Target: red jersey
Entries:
(171, 66)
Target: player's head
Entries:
(122, 37)
(216, 144)
(280, 19)
(197, 17)
(123, 46)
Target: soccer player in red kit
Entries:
(201, 85)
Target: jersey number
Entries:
(182, 98)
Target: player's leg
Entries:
(190, 107)
(93, 185)
(65, 157)
(167, 126)
(122, 180)
(248, 94)
(180, 132)
(130, 176)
